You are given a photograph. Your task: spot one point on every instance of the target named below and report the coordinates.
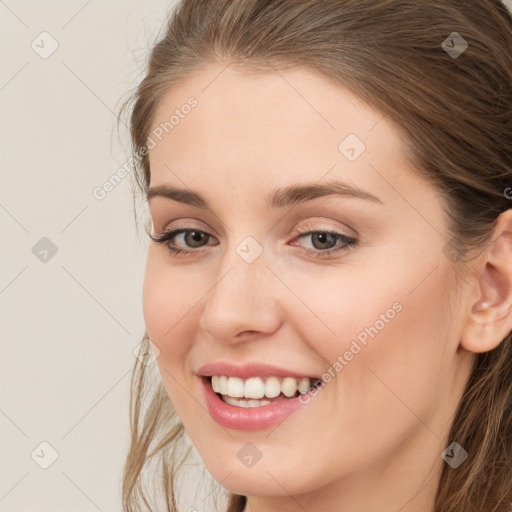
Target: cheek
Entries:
(168, 300)
(169, 296)
(384, 339)
(391, 311)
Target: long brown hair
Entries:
(455, 113)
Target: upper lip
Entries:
(247, 370)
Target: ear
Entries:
(490, 316)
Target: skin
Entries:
(372, 438)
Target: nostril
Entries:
(242, 334)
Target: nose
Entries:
(243, 302)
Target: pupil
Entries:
(196, 236)
(322, 237)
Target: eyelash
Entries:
(165, 237)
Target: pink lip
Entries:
(248, 370)
(252, 418)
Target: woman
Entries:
(329, 281)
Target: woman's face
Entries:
(350, 287)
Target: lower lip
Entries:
(247, 418)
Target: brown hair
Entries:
(456, 117)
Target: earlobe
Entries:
(490, 317)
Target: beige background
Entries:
(68, 324)
(70, 319)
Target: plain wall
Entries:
(70, 320)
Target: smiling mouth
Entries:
(260, 391)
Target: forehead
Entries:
(250, 133)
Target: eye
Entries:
(194, 237)
(324, 241)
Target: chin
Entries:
(274, 474)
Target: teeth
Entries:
(289, 386)
(303, 385)
(255, 388)
(272, 387)
(240, 402)
(235, 387)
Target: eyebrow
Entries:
(280, 198)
